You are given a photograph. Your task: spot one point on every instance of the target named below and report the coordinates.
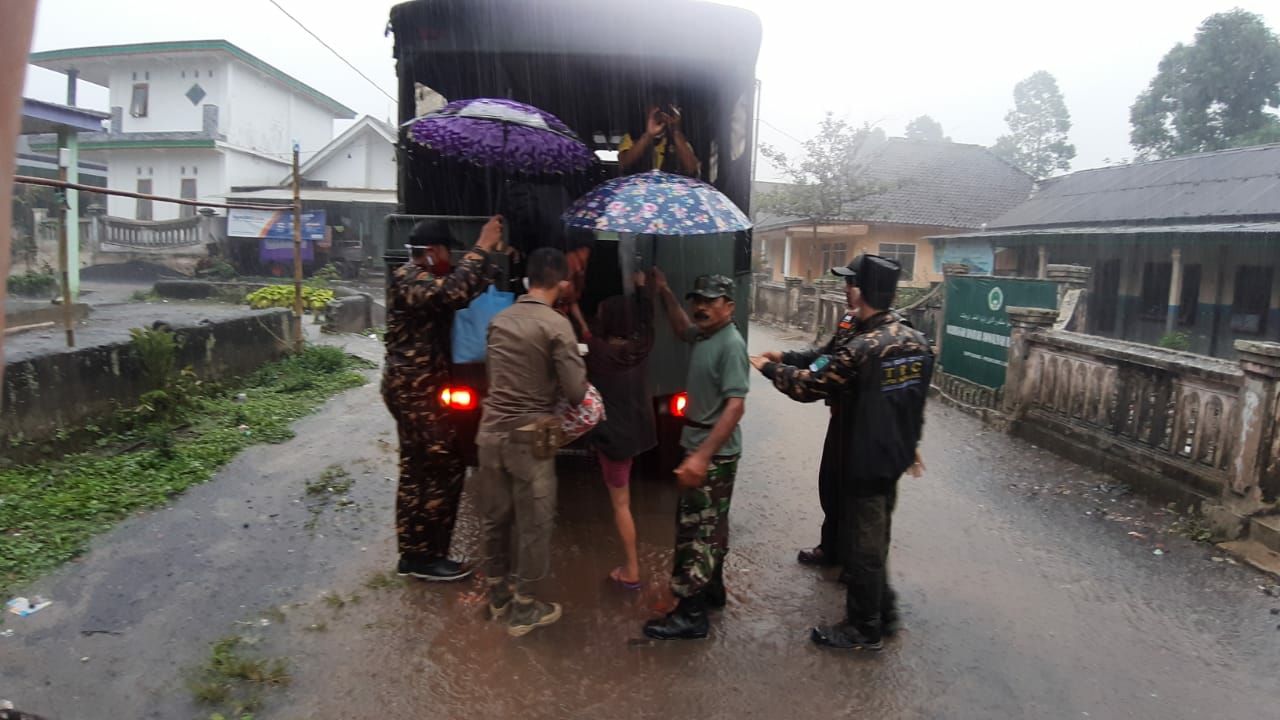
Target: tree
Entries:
(1212, 94)
(925, 128)
(1038, 125)
(827, 177)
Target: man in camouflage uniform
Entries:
(719, 376)
(422, 296)
(876, 383)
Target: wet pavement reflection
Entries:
(1017, 603)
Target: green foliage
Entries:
(34, 284)
(220, 270)
(327, 274)
(234, 679)
(157, 350)
(1038, 126)
(49, 509)
(827, 177)
(925, 128)
(1176, 341)
(1214, 93)
(314, 299)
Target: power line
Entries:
(335, 52)
(783, 132)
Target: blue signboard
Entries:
(274, 230)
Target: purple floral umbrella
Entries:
(502, 134)
(656, 203)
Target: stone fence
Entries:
(1199, 427)
(817, 308)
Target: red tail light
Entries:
(678, 403)
(458, 398)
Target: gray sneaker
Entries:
(525, 616)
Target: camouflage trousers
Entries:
(431, 473)
(702, 529)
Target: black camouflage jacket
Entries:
(876, 378)
(420, 308)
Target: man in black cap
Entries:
(876, 381)
(422, 296)
(719, 376)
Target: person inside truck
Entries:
(618, 365)
(659, 143)
(577, 252)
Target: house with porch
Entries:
(352, 180)
(1183, 250)
(928, 188)
(192, 119)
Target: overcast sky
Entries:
(883, 63)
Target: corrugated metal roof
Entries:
(1190, 228)
(939, 184)
(1241, 183)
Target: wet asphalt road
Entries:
(1025, 596)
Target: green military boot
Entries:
(715, 592)
(528, 613)
(687, 622)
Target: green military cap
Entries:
(711, 287)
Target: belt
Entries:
(696, 424)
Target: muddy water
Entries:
(1024, 595)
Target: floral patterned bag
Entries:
(577, 420)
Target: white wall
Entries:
(368, 161)
(265, 116)
(247, 169)
(168, 108)
(165, 169)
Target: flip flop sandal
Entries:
(616, 576)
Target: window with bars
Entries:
(905, 254)
(833, 254)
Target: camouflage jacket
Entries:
(877, 379)
(420, 308)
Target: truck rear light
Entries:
(678, 403)
(458, 398)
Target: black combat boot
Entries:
(714, 593)
(687, 622)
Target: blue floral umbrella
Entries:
(656, 203)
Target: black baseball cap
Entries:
(875, 276)
(431, 232)
(711, 287)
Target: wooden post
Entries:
(297, 254)
(68, 318)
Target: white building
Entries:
(192, 119)
(362, 157)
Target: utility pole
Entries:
(297, 254)
(64, 159)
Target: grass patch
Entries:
(383, 580)
(233, 678)
(334, 480)
(50, 508)
(330, 488)
(337, 603)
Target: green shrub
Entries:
(33, 284)
(314, 299)
(1176, 341)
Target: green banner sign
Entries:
(975, 343)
